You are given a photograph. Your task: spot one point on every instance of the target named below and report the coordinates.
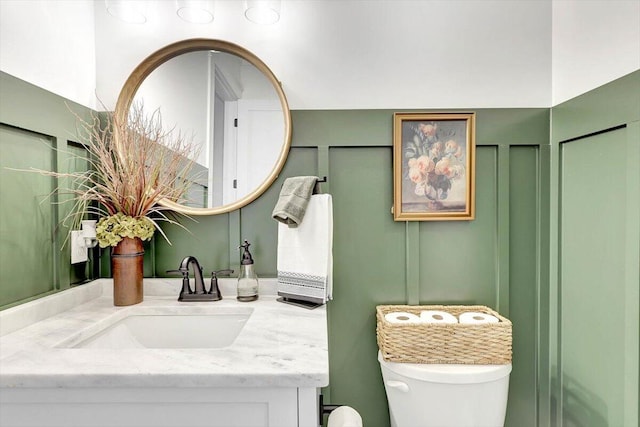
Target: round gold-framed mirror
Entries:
(259, 124)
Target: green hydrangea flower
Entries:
(110, 230)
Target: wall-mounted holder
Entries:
(81, 240)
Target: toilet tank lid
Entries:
(448, 374)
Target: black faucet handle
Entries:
(214, 290)
(179, 271)
(186, 287)
(217, 273)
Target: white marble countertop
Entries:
(280, 345)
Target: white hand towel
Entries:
(305, 254)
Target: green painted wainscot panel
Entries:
(369, 269)
(371, 263)
(32, 118)
(458, 258)
(593, 232)
(77, 162)
(26, 258)
(206, 238)
(486, 277)
(524, 215)
(595, 259)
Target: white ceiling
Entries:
(346, 54)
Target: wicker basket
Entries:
(456, 343)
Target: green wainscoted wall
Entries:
(522, 255)
(37, 130)
(493, 260)
(595, 257)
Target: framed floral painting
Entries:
(433, 166)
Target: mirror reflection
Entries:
(231, 103)
(231, 112)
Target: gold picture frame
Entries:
(433, 166)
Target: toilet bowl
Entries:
(445, 395)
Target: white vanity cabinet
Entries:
(141, 407)
(270, 375)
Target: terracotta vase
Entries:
(127, 269)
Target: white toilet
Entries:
(445, 395)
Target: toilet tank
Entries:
(445, 395)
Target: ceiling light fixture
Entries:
(129, 11)
(195, 11)
(263, 12)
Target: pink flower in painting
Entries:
(424, 164)
(443, 167)
(428, 129)
(415, 175)
(436, 150)
(449, 167)
(451, 148)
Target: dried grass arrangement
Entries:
(134, 163)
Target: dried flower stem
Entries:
(134, 163)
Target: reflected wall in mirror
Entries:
(230, 104)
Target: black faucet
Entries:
(214, 290)
(200, 293)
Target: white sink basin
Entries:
(169, 331)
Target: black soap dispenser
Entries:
(247, 279)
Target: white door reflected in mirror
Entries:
(230, 110)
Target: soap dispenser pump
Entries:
(247, 279)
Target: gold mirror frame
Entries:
(153, 61)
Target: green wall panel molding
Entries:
(632, 276)
(380, 261)
(357, 128)
(520, 254)
(524, 259)
(502, 228)
(42, 118)
(543, 275)
(76, 162)
(512, 126)
(458, 258)
(30, 107)
(413, 262)
(592, 240)
(26, 224)
(612, 104)
(369, 269)
(443, 262)
(593, 365)
(206, 238)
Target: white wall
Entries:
(179, 89)
(347, 54)
(50, 44)
(353, 54)
(594, 42)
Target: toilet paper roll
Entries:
(344, 416)
(435, 316)
(472, 317)
(401, 317)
